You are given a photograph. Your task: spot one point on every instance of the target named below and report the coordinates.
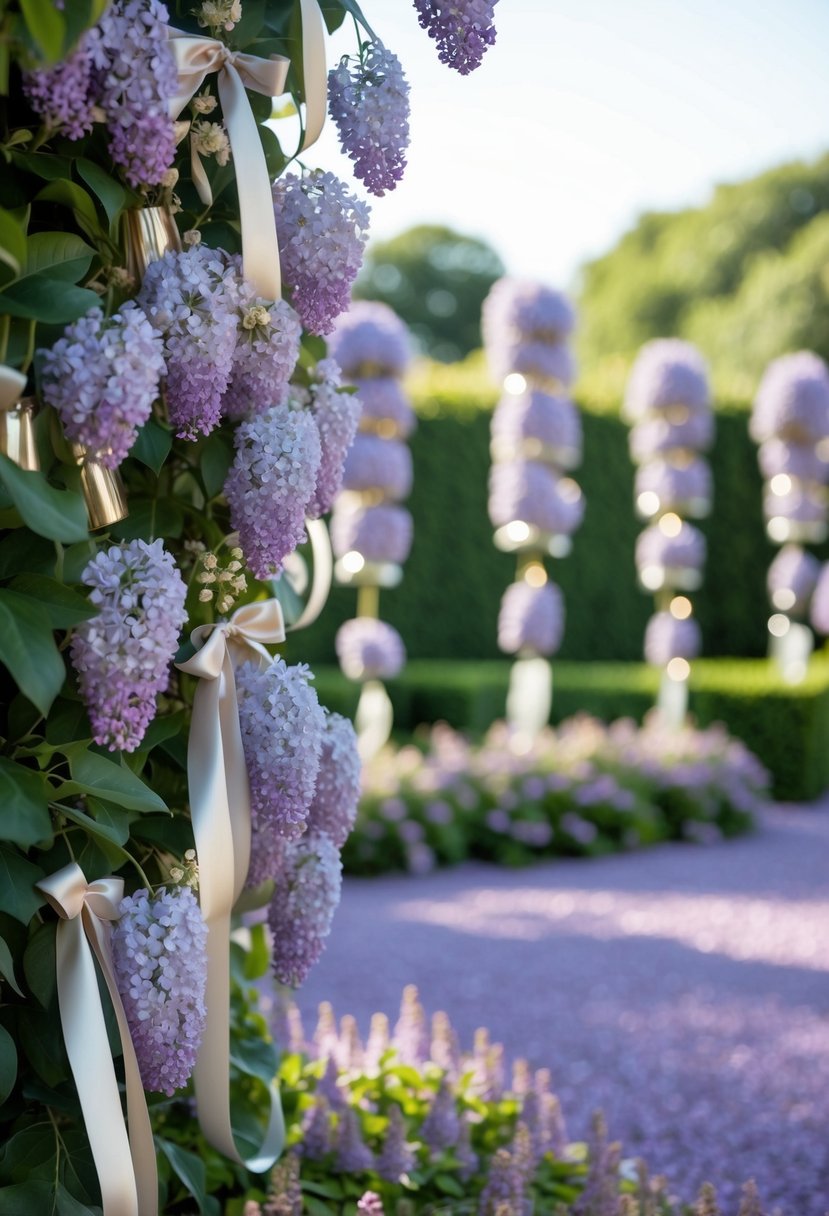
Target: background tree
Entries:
(436, 280)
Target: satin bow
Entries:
(125, 1162)
(220, 810)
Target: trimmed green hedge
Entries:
(447, 605)
(787, 727)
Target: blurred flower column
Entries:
(534, 506)
(668, 402)
(371, 533)
(790, 422)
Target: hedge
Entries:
(786, 727)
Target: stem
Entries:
(30, 349)
(5, 330)
(59, 554)
(368, 601)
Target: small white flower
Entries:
(204, 103)
(210, 139)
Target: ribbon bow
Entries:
(125, 1162)
(220, 810)
(197, 58)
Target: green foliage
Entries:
(436, 280)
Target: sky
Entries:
(587, 112)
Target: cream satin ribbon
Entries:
(12, 384)
(220, 810)
(323, 573)
(197, 58)
(125, 1163)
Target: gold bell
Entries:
(103, 490)
(149, 233)
(17, 434)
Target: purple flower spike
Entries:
(305, 899)
(267, 349)
(159, 947)
(333, 809)
(668, 372)
(381, 534)
(368, 99)
(369, 649)
(462, 29)
(667, 638)
(337, 415)
(531, 618)
(370, 341)
(64, 96)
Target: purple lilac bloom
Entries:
(138, 81)
(462, 29)
(369, 650)
(102, 377)
(270, 484)
(791, 579)
(537, 426)
(531, 618)
(353, 1156)
(802, 461)
(64, 96)
(819, 612)
(678, 428)
(328, 1088)
(283, 725)
(411, 1033)
(323, 230)
(525, 326)
(667, 372)
(529, 491)
(368, 99)
(370, 341)
(316, 1130)
(336, 414)
(685, 488)
(504, 1190)
(441, 1127)
(445, 1049)
(667, 638)
(333, 808)
(350, 1050)
(801, 504)
(159, 949)
(386, 407)
(123, 654)
(381, 534)
(191, 298)
(463, 1150)
(792, 401)
(396, 1157)
(267, 348)
(305, 899)
(685, 551)
(552, 364)
(373, 463)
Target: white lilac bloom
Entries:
(102, 377)
(306, 896)
(370, 341)
(373, 463)
(337, 415)
(159, 948)
(462, 29)
(333, 808)
(271, 482)
(369, 650)
(123, 654)
(792, 401)
(381, 533)
(667, 372)
(283, 726)
(531, 618)
(668, 638)
(323, 229)
(368, 99)
(791, 579)
(191, 298)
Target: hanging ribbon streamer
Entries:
(323, 573)
(197, 58)
(220, 810)
(12, 384)
(125, 1162)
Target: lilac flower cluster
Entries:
(337, 415)
(791, 580)
(159, 948)
(531, 619)
(536, 426)
(267, 348)
(271, 482)
(819, 610)
(667, 637)
(462, 29)
(386, 408)
(370, 342)
(283, 726)
(525, 328)
(382, 533)
(369, 650)
(122, 655)
(667, 373)
(333, 808)
(191, 298)
(683, 488)
(531, 492)
(305, 899)
(65, 96)
(138, 80)
(368, 99)
(323, 230)
(377, 464)
(670, 554)
(102, 377)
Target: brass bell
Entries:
(17, 434)
(103, 490)
(149, 233)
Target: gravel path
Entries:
(684, 990)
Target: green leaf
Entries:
(215, 461)
(58, 255)
(12, 243)
(42, 164)
(8, 1065)
(152, 447)
(46, 25)
(257, 956)
(190, 1170)
(110, 191)
(27, 647)
(7, 967)
(18, 896)
(24, 805)
(55, 514)
(50, 301)
(39, 963)
(70, 194)
(27, 1198)
(149, 519)
(449, 1185)
(112, 832)
(67, 1204)
(63, 606)
(41, 1040)
(94, 774)
(30, 1154)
